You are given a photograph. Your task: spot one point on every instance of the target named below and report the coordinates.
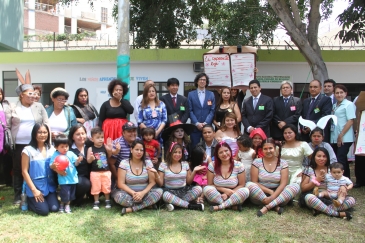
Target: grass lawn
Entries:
(87, 225)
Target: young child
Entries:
(151, 145)
(67, 179)
(199, 157)
(334, 181)
(258, 135)
(100, 175)
(246, 154)
(209, 142)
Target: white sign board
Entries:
(242, 68)
(217, 67)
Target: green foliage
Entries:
(353, 22)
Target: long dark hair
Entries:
(197, 156)
(145, 101)
(218, 162)
(76, 100)
(313, 163)
(34, 142)
(171, 150)
(3, 95)
(294, 129)
(220, 101)
(272, 141)
(72, 132)
(134, 143)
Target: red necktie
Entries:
(174, 101)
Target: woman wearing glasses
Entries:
(20, 119)
(61, 116)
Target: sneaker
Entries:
(170, 207)
(108, 204)
(199, 207)
(67, 209)
(96, 205)
(62, 209)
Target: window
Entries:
(104, 15)
(161, 88)
(10, 82)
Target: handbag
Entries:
(8, 139)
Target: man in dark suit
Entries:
(257, 110)
(329, 89)
(287, 110)
(201, 105)
(175, 103)
(314, 108)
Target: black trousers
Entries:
(360, 170)
(17, 170)
(341, 153)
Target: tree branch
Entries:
(297, 19)
(314, 18)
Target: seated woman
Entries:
(77, 138)
(224, 105)
(229, 131)
(61, 117)
(85, 112)
(226, 181)
(175, 175)
(293, 152)
(258, 135)
(135, 181)
(311, 176)
(269, 181)
(316, 136)
(40, 186)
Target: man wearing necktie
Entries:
(201, 106)
(314, 108)
(328, 89)
(175, 104)
(287, 110)
(257, 110)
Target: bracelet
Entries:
(314, 180)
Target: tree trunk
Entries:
(307, 44)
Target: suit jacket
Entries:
(324, 105)
(181, 101)
(256, 117)
(288, 114)
(199, 113)
(14, 116)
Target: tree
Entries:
(353, 22)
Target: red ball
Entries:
(61, 162)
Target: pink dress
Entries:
(198, 178)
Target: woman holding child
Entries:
(314, 176)
(39, 184)
(135, 181)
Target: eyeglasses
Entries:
(30, 93)
(202, 80)
(61, 100)
(36, 94)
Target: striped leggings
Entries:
(183, 202)
(257, 195)
(123, 198)
(214, 197)
(313, 202)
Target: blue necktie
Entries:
(286, 101)
(311, 107)
(254, 102)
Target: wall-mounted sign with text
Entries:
(96, 79)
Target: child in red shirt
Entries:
(152, 146)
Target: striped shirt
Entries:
(125, 150)
(269, 179)
(136, 182)
(232, 180)
(174, 180)
(333, 185)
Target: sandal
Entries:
(348, 215)
(315, 212)
(280, 210)
(124, 211)
(259, 213)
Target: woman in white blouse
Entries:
(61, 116)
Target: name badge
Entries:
(182, 108)
(261, 108)
(317, 110)
(154, 114)
(229, 110)
(293, 108)
(209, 102)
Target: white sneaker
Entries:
(170, 207)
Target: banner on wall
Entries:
(102, 95)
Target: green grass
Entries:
(87, 225)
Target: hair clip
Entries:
(172, 145)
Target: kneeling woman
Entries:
(135, 181)
(226, 180)
(269, 179)
(176, 177)
(312, 175)
(40, 187)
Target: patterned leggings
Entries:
(183, 202)
(257, 195)
(123, 198)
(313, 202)
(214, 197)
